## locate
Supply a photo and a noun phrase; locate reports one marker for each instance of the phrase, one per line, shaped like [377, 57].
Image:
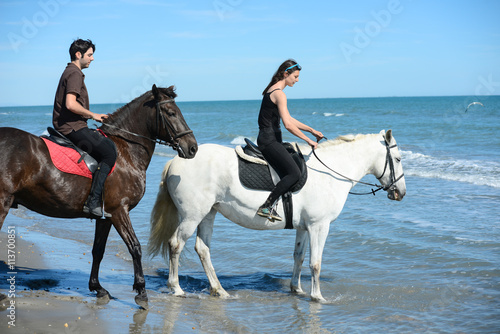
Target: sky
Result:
[229, 49]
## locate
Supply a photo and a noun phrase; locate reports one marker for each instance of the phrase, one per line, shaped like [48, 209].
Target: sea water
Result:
[430, 263]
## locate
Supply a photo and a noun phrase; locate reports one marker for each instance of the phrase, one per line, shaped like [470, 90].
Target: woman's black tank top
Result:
[269, 116]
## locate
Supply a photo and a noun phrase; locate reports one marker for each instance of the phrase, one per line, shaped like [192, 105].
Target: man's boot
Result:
[93, 204]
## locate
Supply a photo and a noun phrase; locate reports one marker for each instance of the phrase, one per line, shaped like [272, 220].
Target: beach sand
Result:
[52, 296]
[43, 298]
[34, 300]
[51, 288]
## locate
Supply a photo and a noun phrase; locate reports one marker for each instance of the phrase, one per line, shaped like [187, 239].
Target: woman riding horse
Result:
[272, 110]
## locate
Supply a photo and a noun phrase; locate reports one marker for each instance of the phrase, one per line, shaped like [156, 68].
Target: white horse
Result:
[193, 191]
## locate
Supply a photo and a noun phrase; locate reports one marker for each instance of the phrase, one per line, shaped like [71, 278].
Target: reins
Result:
[379, 187]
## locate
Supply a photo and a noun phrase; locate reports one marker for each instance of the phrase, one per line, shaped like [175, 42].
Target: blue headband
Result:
[298, 67]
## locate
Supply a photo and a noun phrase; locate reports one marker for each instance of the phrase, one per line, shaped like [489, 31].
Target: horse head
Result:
[392, 176]
[170, 124]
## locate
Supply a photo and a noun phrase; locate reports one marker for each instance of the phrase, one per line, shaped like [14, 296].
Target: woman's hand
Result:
[318, 135]
[312, 143]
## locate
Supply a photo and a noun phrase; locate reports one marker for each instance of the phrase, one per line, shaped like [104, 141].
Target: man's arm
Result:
[75, 107]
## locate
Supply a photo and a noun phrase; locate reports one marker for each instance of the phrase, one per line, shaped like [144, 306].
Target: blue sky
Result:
[229, 49]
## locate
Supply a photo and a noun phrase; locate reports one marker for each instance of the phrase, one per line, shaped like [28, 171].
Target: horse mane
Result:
[121, 115]
[342, 139]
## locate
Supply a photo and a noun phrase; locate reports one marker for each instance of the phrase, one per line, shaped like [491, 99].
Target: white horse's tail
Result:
[164, 219]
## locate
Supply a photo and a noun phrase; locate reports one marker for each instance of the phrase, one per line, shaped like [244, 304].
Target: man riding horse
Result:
[71, 112]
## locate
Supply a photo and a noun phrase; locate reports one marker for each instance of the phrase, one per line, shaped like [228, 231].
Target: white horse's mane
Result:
[339, 140]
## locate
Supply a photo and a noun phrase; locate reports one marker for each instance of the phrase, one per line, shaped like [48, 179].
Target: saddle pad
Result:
[258, 177]
[66, 159]
[254, 176]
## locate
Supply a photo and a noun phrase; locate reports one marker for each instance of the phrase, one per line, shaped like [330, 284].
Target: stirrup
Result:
[275, 216]
[269, 213]
[264, 212]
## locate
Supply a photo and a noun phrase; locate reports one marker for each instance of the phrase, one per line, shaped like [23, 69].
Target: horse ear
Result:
[388, 136]
[155, 91]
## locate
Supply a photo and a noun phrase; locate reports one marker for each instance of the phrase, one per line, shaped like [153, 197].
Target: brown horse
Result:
[29, 178]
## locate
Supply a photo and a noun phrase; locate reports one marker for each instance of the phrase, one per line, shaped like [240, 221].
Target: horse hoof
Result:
[298, 291]
[221, 293]
[142, 300]
[319, 299]
[103, 294]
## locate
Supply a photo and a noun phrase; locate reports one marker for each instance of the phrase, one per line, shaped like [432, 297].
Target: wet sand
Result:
[42, 298]
[35, 296]
[51, 294]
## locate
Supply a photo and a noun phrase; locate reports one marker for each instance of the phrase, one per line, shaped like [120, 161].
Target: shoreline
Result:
[36, 296]
[52, 295]
[47, 291]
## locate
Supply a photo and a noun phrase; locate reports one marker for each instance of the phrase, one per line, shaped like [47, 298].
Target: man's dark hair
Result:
[81, 46]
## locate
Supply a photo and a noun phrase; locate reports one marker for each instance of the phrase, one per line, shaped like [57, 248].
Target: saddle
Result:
[255, 173]
[68, 157]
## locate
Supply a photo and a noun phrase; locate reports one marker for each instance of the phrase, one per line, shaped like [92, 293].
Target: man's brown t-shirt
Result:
[72, 81]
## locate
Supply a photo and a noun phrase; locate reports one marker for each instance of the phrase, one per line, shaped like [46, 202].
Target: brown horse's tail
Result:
[164, 219]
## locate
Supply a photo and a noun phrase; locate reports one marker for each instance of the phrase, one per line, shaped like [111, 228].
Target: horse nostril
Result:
[193, 150]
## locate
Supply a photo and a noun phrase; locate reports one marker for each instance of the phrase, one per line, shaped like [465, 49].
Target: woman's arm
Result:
[307, 128]
[290, 123]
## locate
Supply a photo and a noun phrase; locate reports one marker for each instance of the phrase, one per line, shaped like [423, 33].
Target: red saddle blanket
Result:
[66, 159]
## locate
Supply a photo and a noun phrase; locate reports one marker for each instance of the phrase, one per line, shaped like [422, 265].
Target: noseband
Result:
[174, 136]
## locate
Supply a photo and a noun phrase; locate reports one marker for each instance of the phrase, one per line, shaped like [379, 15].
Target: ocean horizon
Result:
[473, 97]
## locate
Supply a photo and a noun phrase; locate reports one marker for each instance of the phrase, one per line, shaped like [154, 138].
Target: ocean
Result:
[427, 264]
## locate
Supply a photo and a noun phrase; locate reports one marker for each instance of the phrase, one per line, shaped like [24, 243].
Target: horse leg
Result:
[202, 247]
[123, 226]
[102, 228]
[299, 254]
[5, 204]
[175, 246]
[317, 238]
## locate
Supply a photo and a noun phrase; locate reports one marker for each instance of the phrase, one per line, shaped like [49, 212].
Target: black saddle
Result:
[58, 138]
[252, 150]
[258, 176]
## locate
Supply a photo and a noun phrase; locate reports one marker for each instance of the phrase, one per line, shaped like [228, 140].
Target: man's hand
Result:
[99, 117]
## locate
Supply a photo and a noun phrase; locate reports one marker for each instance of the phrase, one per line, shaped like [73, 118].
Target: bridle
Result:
[160, 118]
[388, 161]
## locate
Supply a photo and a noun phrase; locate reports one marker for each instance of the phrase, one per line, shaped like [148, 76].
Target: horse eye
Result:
[398, 159]
[169, 113]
